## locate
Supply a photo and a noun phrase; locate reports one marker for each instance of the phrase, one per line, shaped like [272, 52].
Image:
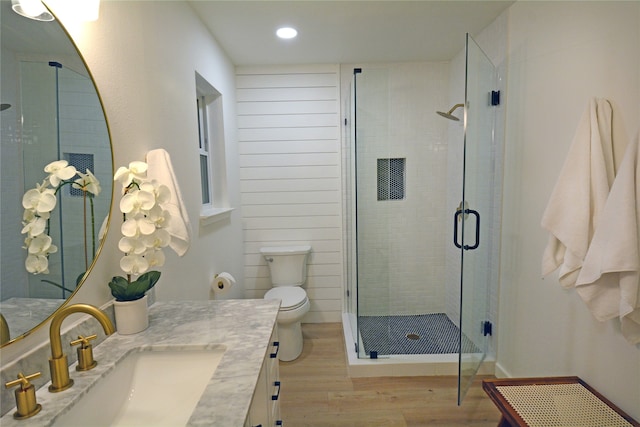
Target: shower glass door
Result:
[476, 214]
[374, 210]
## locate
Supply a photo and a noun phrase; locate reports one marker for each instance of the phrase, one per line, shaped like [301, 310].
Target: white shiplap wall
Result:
[289, 147]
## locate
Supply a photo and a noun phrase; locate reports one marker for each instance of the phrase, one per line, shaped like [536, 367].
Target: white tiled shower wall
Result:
[13, 279]
[401, 242]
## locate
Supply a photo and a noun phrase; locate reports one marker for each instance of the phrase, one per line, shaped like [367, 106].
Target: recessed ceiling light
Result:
[286, 32]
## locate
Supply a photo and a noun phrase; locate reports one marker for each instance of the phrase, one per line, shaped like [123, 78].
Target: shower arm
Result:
[454, 108]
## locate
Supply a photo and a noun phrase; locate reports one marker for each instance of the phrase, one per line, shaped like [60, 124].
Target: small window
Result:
[391, 179]
[211, 151]
[203, 141]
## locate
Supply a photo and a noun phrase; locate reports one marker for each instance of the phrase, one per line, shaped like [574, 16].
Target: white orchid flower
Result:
[144, 219]
[135, 171]
[157, 240]
[88, 183]
[58, 171]
[134, 227]
[155, 258]
[132, 245]
[136, 201]
[37, 264]
[40, 200]
[134, 264]
[42, 245]
[29, 215]
[35, 227]
[160, 191]
[159, 216]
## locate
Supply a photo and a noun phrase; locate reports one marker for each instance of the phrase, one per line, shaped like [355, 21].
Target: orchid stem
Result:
[84, 208]
[93, 227]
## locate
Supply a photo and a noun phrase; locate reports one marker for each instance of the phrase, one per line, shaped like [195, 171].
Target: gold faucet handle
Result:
[26, 404]
[85, 353]
[22, 380]
[84, 340]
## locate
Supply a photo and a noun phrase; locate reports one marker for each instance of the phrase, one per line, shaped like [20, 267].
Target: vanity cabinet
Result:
[265, 406]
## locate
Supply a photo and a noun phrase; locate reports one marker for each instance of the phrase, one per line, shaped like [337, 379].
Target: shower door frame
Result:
[478, 200]
[357, 299]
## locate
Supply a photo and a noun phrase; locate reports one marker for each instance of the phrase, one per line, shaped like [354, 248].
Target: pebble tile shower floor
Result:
[415, 334]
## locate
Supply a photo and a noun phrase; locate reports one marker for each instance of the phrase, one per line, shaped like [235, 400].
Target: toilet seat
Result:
[292, 297]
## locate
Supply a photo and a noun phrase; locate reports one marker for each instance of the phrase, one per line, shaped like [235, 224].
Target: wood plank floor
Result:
[317, 392]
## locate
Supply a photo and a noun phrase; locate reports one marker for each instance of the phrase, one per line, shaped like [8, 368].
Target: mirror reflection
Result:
[51, 117]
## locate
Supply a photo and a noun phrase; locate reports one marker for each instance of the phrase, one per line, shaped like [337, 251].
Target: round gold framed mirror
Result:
[51, 117]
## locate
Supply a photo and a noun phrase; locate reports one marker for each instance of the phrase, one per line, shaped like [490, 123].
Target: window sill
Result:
[211, 215]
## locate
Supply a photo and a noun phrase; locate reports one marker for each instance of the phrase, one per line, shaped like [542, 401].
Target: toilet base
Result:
[290, 337]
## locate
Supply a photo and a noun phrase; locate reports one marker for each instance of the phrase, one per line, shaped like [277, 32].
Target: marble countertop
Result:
[243, 326]
[24, 314]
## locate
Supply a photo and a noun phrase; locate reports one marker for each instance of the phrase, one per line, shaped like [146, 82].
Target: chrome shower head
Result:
[448, 114]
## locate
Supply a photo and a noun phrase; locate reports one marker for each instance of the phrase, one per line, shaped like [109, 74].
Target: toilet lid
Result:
[291, 296]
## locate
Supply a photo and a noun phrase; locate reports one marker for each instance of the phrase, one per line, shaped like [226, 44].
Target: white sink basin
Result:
[146, 388]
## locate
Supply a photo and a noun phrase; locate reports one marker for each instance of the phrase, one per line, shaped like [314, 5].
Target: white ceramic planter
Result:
[131, 316]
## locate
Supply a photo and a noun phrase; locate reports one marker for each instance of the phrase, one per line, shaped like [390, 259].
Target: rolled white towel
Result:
[161, 170]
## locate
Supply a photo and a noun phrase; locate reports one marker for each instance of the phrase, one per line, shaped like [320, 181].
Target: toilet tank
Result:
[287, 264]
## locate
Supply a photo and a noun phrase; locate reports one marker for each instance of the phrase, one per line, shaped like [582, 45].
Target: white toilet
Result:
[288, 269]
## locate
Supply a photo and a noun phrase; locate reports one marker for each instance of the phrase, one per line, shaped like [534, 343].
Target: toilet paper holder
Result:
[222, 282]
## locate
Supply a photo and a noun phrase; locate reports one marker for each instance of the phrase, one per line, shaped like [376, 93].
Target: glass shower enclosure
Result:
[400, 222]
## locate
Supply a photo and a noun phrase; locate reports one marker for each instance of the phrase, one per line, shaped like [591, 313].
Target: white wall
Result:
[144, 56]
[289, 143]
[560, 55]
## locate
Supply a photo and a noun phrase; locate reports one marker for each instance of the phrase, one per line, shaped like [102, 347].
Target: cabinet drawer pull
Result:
[276, 344]
[277, 395]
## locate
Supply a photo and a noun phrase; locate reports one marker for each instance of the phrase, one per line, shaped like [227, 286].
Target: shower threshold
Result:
[405, 365]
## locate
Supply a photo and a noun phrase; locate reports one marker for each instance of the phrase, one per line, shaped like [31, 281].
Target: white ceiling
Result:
[344, 31]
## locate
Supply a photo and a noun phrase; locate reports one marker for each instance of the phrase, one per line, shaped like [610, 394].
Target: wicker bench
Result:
[553, 402]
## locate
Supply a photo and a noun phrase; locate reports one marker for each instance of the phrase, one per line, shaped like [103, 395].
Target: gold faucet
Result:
[58, 362]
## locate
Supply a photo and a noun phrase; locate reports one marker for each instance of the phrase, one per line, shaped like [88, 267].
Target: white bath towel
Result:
[610, 275]
[580, 193]
[161, 169]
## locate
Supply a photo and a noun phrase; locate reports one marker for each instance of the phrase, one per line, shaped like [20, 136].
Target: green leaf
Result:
[79, 278]
[124, 290]
[118, 287]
